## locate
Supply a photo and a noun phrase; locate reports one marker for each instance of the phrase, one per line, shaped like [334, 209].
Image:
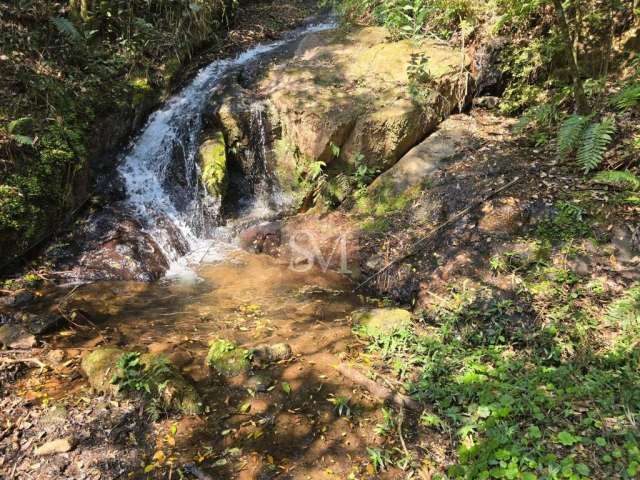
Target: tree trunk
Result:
[581, 105]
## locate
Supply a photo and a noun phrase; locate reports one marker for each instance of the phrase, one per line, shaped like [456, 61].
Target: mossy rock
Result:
[175, 391]
[381, 321]
[213, 164]
[165, 382]
[100, 366]
[227, 358]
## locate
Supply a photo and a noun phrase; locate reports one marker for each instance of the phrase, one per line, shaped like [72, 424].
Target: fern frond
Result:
[67, 29]
[570, 134]
[23, 140]
[627, 98]
[624, 179]
[594, 143]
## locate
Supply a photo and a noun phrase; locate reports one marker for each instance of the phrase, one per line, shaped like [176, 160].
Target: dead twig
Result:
[435, 230]
[400, 420]
[11, 361]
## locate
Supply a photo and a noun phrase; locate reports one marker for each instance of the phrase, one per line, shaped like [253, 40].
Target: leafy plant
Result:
[595, 141]
[626, 310]
[379, 458]
[67, 29]
[588, 140]
[620, 178]
[388, 423]
[136, 377]
[627, 98]
[341, 405]
[570, 134]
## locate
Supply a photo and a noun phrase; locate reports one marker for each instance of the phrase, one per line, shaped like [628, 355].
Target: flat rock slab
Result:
[453, 136]
[61, 445]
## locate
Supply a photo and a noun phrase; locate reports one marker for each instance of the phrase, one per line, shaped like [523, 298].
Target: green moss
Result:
[155, 377]
[143, 92]
[227, 358]
[213, 164]
[381, 321]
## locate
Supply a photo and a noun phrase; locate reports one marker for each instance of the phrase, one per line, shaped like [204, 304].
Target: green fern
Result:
[625, 311]
[23, 140]
[624, 179]
[570, 134]
[627, 98]
[594, 143]
[67, 29]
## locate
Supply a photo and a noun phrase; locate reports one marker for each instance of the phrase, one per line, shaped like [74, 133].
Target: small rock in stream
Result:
[16, 337]
[20, 299]
[264, 354]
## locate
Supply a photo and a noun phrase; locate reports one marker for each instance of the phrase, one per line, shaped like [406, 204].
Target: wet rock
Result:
[265, 354]
[264, 238]
[213, 164]
[43, 324]
[15, 336]
[259, 383]
[17, 300]
[227, 358]
[56, 357]
[61, 445]
[381, 321]
[111, 245]
[488, 102]
[163, 378]
[489, 77]
[176, 354]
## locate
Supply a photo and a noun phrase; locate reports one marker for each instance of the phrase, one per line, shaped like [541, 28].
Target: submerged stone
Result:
[381, 321]
[16, 337]
[227, 358]
[264, 354]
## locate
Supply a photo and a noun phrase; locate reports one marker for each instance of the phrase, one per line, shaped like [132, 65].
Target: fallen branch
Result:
[377, 390]
[435, 230]
[400, 421]
[23, 360]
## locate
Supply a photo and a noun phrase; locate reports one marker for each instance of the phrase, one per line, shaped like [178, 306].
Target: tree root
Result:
[377, 390]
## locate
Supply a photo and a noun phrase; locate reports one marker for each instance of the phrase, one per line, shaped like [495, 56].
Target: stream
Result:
[215, 290]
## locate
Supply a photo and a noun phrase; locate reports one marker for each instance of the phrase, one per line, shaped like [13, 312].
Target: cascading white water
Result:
[162, 160]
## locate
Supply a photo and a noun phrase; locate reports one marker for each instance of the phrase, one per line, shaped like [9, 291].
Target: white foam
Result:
[146, 166]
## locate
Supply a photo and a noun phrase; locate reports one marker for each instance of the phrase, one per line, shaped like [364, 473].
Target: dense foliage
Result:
[75, 78]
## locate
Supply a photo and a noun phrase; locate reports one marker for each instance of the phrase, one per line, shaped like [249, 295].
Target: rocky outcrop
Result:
[345, 98]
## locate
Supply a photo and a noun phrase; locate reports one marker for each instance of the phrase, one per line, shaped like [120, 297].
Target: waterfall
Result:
[160, 167]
